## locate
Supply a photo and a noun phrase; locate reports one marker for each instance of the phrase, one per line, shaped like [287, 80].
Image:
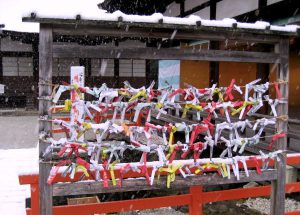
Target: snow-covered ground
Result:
[12, 194]
[18, 132]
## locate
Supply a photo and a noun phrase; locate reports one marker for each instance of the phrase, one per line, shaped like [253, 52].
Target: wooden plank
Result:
[1, 70]
[16, 54]
[87, 187]
[72, 51]
[163, 33]
[278, 193]
[45, 75]
[152, 72]
[35, 61]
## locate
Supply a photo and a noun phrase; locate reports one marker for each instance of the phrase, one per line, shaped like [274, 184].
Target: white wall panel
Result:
[204, 13]
[173, 9]
[231, 8]
[17, 66]
[125, 68]
[139, 68]
[135, 68]
[190, 4]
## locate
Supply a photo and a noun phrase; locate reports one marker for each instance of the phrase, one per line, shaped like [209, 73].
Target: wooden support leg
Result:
[45, 127]
[195, 207]
[278, 186]
[34, 190]
[45, 190]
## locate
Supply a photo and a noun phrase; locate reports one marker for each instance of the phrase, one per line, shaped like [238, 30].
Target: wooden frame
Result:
[117, 29]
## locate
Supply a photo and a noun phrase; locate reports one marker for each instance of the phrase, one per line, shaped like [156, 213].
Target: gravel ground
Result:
[158, 211]
[263, 205]
[251, 206]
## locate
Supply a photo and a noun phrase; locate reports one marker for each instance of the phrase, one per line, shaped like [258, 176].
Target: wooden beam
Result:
[152, 72]
[64, 189]
[214, 67]
[213, 9]
[278, 192]
[116, 68]
[89, 67]
[35, 60]
[16, 54]
[1, 69]
[68, 51]
[216, 34]
[45, 90]
[182, 8]
[214, 45]
[116, 73]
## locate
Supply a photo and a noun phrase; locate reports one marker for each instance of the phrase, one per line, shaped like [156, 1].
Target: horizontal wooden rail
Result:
[29, 178]
[61, 51]
[79, 188]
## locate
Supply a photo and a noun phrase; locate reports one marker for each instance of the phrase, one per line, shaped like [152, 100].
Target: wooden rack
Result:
[118, 29]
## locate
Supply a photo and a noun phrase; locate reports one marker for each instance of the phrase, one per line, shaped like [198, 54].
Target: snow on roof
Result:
[101, 15]
[11, 11]
[10, 15]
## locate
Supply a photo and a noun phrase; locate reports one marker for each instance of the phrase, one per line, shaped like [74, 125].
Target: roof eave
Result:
[120, 24]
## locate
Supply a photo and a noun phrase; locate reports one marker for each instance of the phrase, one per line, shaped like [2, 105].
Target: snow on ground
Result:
[18, 131]
[12, 194]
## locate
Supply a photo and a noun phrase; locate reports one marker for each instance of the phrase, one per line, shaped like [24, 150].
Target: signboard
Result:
[169, 73]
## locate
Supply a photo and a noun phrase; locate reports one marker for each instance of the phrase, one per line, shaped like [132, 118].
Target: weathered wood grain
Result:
[141, 184]
[278, 186]
[45, 74]
[72, 51]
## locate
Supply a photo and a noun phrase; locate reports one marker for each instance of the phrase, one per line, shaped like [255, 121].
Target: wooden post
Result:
[45, 90]
[116, 73]
[152, 72]
[116, 69]
[1, 69]
[35, 63]
[195, 207]
[278, 186]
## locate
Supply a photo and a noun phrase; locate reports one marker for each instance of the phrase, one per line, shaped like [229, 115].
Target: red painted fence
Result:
[195, 199]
